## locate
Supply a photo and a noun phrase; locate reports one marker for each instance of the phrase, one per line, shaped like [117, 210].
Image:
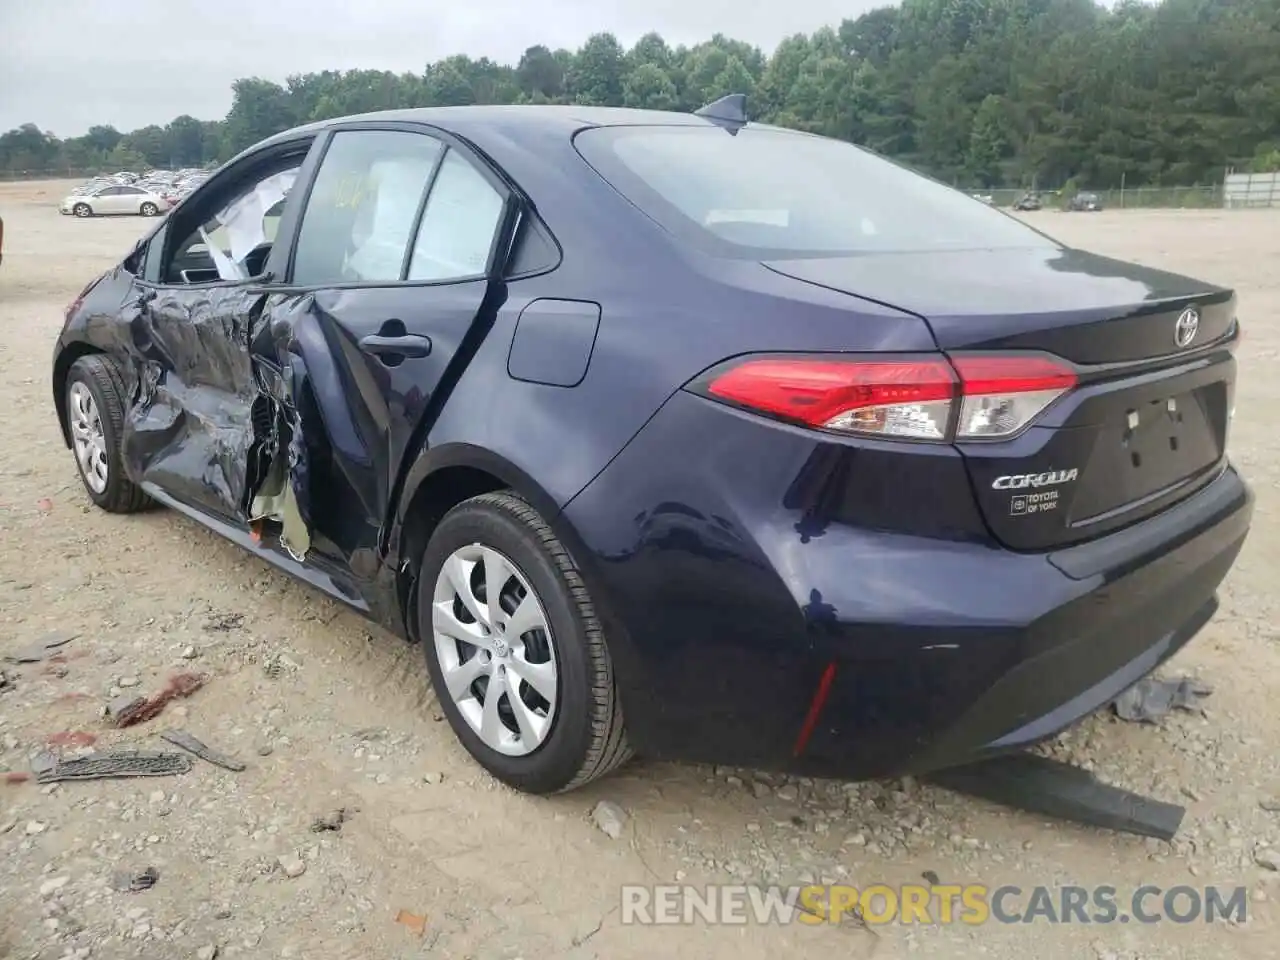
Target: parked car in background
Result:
[114, 199]
[675, 432]
[1090, 202]
[1028, 201]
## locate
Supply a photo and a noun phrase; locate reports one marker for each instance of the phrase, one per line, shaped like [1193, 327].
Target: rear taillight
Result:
[972, 397]
[1002, 394]
[900, 398]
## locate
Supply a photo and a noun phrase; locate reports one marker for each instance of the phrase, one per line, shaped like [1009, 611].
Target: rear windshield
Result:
[767, 193]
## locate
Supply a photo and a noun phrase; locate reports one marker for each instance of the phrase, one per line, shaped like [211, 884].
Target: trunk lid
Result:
[1145, 427]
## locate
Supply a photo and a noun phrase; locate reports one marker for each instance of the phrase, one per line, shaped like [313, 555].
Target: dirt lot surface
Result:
[328, 713]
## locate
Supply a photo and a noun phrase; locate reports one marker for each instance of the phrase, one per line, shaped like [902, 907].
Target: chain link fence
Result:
[1137, 198]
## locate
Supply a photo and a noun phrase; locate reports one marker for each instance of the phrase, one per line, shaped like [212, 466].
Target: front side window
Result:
[233, 242]
[360, 215]
[768, 193]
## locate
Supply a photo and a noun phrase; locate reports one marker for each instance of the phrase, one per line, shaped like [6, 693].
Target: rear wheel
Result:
[82, 210]
[515, 651]
[149, 209]
[95, 420]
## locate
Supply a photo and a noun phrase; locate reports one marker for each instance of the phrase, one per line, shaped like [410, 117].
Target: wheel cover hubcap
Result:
[495, 648]
[87, 438]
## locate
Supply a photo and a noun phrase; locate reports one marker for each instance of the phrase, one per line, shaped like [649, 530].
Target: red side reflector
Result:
[814, 392]
[815, 709]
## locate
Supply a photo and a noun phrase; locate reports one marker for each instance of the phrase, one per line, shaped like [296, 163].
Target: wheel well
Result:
[61, 368]
[439, 493]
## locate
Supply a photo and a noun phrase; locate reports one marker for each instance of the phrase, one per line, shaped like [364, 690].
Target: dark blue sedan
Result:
[675, 433]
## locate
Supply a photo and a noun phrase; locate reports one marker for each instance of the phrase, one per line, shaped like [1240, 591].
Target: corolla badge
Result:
[1184, 331]
[1050, 478]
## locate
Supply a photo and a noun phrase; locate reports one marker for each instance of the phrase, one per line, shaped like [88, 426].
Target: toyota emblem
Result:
[1184, 331]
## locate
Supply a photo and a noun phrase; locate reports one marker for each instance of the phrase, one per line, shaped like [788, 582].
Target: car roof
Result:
[511, 117]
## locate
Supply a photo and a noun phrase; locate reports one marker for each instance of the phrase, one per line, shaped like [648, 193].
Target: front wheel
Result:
[95, 420]
[515, 651]
[82, 210]
[149, 209]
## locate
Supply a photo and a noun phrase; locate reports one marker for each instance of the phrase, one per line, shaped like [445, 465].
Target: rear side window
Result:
[359, 218]
[767, 193]
[462, 217]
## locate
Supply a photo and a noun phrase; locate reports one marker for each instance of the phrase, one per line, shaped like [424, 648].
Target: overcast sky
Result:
[68, 64]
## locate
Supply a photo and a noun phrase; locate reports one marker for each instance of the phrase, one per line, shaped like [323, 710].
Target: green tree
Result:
[987, 144]
[1167, 92]
[540, 72]
[597, 72]
[648, 87]
[102, 138]
[185, 136]
[651, 49]
[125, 158]
[259, 109]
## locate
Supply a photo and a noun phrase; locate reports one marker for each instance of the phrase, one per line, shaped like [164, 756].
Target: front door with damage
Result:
[189, 431]
[389, 278]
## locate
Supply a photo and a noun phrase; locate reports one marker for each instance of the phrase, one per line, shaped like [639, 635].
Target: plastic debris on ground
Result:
[128, 881]
[127, 710]
[110, 765]
[183, 739]
[224, 622]
[1149, 700]
[333, 821]
[42, 649]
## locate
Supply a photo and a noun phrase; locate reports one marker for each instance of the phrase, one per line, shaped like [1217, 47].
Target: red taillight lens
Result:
[902, 398]
[914, 398]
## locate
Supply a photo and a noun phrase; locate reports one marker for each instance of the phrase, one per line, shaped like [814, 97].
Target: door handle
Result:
[408, 345]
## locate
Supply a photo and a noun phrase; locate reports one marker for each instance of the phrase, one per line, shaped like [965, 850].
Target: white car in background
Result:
[115, 198]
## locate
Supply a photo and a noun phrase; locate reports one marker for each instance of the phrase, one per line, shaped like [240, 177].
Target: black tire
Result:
[149, 209]
[106, 385]
[587, 738]
[82, 210]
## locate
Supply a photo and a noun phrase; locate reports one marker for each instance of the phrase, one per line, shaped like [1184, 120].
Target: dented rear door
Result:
[389, 289]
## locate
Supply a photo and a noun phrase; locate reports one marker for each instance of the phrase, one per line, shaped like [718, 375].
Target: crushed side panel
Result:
[189, 427]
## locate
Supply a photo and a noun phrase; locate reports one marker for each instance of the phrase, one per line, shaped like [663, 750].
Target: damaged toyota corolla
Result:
[675, 433]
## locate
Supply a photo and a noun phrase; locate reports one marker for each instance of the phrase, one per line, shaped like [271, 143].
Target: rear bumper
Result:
[728, 594]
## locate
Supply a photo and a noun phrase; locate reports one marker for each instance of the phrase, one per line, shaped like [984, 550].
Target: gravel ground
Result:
[328, 713]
